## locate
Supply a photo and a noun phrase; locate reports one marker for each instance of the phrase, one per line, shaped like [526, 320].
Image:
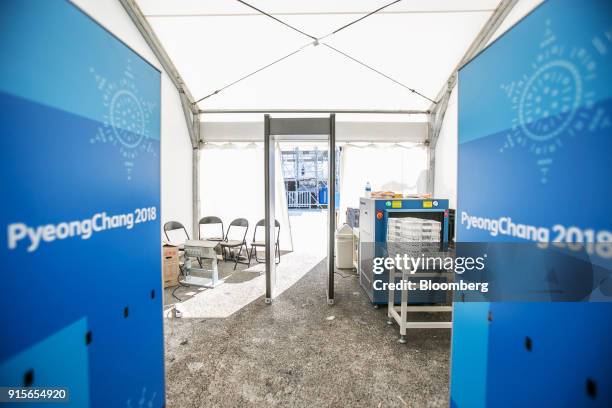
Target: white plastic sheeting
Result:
[445, 177]
[346, 131]
[232, 186]
[216, 42]
[387, 166]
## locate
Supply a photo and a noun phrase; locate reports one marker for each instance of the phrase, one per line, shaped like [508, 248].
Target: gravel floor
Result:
[300, 352]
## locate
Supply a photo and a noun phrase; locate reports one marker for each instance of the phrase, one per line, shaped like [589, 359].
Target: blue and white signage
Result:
[79, 215]
[535, 148]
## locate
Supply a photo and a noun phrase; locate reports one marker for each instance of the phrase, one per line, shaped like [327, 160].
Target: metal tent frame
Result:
[193, 113]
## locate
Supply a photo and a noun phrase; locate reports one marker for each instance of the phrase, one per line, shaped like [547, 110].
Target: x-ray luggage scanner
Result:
[374, 219]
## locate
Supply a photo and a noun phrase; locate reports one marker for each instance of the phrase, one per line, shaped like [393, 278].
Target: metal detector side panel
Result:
[331, 209]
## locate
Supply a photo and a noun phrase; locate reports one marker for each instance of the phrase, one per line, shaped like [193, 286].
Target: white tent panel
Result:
[385, 166]
[216, 42]
[340, 117]
[210, 52]
[420, 50]
[345, 131]
[238, 192]
[317, 77]
[284, 8]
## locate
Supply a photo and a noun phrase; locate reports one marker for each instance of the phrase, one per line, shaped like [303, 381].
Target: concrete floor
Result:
[300, 352]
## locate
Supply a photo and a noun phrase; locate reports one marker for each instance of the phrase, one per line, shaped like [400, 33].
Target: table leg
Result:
[215, 270]
[391, 299]
[404, 311]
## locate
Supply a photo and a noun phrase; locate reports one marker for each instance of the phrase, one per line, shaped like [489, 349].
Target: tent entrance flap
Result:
[304, 129]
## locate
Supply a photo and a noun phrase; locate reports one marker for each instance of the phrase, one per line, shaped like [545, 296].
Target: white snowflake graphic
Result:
[126, 122]
[556, 99]
[144, 401]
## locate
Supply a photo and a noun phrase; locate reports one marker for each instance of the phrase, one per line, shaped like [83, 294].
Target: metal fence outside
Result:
[300, 199]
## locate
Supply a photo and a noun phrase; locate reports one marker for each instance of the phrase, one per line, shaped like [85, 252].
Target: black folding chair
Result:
[262, 243]
[211, 220]
[174, 226]
[230, 244]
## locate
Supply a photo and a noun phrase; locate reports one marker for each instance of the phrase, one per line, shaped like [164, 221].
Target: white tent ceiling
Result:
[214, 42]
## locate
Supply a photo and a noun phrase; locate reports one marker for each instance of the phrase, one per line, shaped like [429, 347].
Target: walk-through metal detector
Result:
[298, 129]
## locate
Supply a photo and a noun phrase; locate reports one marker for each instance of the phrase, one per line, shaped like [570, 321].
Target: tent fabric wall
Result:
[445, 172]
[445, 181]
[232, 186]
[387, 166]
[346, 131]
[175, 143]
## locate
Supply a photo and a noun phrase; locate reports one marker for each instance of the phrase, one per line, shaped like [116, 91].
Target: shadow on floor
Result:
[300, 352]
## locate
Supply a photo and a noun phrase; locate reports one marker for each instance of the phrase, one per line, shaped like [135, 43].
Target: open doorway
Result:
[292, 129]
[305, 173]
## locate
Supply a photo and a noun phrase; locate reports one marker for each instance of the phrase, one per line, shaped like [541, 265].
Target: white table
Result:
[206, 250]
[399, 314]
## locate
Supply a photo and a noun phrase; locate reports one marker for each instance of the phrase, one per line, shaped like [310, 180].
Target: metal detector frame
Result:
[298, 129]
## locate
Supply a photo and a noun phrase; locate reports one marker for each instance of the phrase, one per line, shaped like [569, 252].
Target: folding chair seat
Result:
[261, 242]
[174, 226]
[216, 236]
[230, 244]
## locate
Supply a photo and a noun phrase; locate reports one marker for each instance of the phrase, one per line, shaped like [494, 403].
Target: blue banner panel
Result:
[80, 242]
[535, 141]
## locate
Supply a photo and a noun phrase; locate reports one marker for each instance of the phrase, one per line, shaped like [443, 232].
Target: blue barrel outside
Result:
[323, 195]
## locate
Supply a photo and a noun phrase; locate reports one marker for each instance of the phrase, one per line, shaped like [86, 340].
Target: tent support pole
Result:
[148, 34]
[437, 111]
[190, 109]
[269, 201]
[195, 177]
